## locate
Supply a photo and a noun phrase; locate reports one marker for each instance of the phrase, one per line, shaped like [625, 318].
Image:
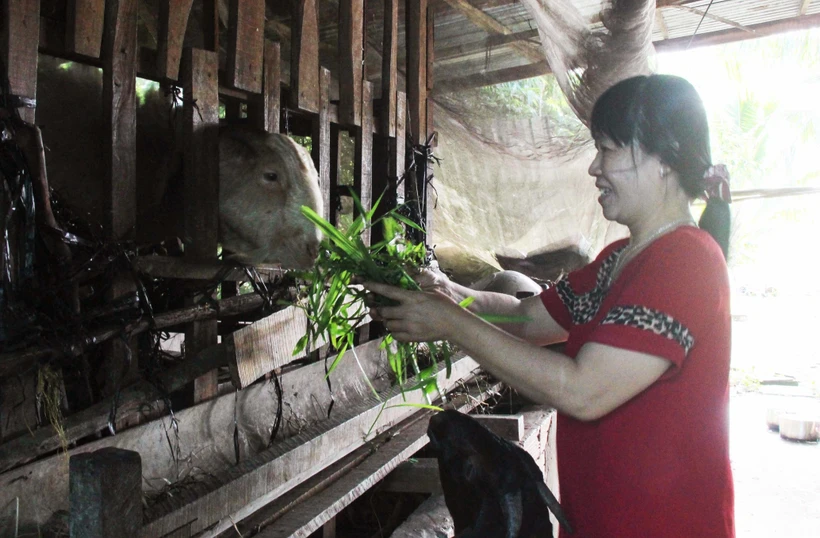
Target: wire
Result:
[699, 23]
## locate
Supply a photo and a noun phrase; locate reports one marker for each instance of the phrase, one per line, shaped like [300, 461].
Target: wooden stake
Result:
[321, 140]
[84, 26]
[351, 50]
[173, 21]
[106, 494]
[264, 109]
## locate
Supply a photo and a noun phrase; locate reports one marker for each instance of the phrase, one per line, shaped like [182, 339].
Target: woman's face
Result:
[629, 181]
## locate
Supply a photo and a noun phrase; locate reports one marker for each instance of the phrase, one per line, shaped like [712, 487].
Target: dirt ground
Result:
[777, 482]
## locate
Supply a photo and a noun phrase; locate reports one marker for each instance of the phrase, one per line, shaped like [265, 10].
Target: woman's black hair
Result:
[665, 115]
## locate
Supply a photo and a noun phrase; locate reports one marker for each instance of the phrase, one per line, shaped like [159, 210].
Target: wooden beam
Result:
[397, 148]
[493, 77]
[660, 22]
[246, 42]
[390, 51]
[239, 491]
[804, 6]
[264, 110]
[173, 21]
[105, 494]
[304, 57]
[351, 54]
[15, 362]
[193, 269]
[84, 26]
[321, 140]
[210, 24]
[19, 37]
[492, 27]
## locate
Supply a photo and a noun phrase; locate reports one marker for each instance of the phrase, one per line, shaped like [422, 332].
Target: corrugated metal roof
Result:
[465, 47]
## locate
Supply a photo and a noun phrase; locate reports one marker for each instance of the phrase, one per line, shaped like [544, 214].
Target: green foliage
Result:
[335, 306]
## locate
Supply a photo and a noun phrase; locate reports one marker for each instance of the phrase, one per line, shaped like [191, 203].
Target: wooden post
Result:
[321, 139]
[19, 39]
[264, 109]
[390, 52]
[363, 160]
[105, 494]
[173, 21]
[304, 57]
[84, 26]
[397, 149]
[351, 54]
[431, 26]
[119, 101]
[416, 25]
[201, 186]
[246, 44]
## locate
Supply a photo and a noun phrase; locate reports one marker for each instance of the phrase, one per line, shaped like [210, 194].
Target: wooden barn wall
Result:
[104, 33]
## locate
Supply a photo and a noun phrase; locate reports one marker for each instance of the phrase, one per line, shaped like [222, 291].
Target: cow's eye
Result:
[271, 176]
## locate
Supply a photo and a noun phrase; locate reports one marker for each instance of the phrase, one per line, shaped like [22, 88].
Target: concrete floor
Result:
[777, 482]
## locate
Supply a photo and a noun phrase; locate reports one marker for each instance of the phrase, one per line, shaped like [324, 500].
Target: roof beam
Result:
[804, 6]
[493, 77]
[493, 27]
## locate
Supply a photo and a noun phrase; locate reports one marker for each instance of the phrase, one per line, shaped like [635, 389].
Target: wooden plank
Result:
[119, 102]
[351, 54]
[263, 346]
[84, 26]
[509, 427]
[321, 140]
[431, 519]
[311, 496]
[241, 490]
[246, 44]
[390, 52]
[106, 494]
[173, 21]
[804, 6]
[304, 57]
[19, 38]
[303, 520]
[416, 32]
[333, 207]
[363, 155]
[263, 109]
[196, 269]
[203, 438]
[419, 475]
[201, 186]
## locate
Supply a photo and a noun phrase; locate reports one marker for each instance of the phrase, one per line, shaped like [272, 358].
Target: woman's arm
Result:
[539, 328]
[600, 379]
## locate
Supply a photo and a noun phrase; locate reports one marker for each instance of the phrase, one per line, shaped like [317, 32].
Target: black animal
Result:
[492, 487]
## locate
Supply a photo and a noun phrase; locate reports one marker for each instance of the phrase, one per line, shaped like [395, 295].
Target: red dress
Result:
[657, 466]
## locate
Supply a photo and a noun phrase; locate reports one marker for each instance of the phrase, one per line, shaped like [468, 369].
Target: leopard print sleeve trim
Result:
[583, 307]
[651, 320]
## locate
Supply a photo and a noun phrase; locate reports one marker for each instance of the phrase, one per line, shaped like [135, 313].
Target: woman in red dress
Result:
[641, 387]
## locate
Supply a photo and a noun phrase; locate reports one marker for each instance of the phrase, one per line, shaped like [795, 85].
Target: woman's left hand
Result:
[420, 316]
